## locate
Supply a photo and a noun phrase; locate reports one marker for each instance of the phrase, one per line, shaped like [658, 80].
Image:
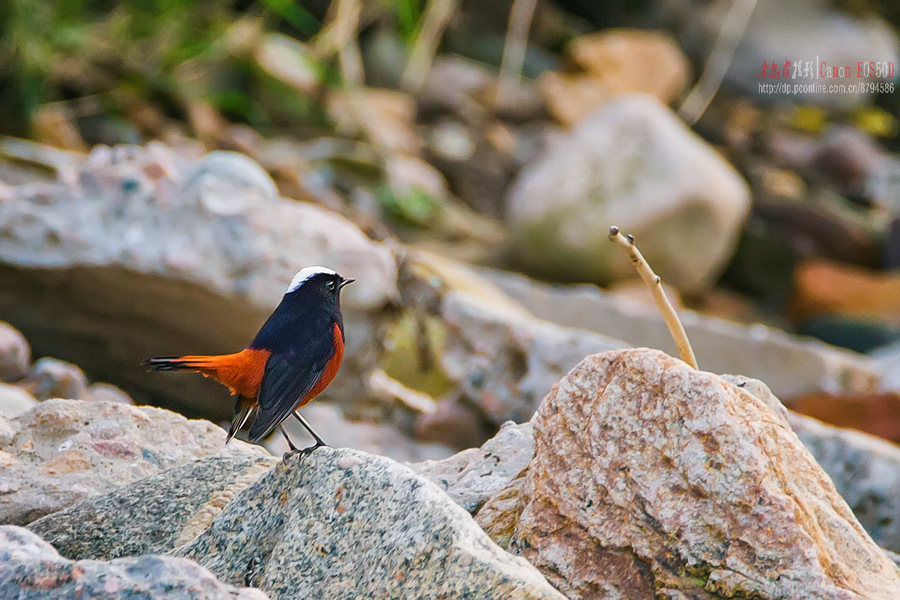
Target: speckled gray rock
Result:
[474, 475]
[145, 251]
[505, 362]
[30, 569]
[789, 364]
[153, 515]
[342, 523]
[64, 451]
[865, 470]
[651, 479]
[15, 354]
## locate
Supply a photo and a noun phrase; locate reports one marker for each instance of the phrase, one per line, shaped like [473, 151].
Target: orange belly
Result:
[331, 368]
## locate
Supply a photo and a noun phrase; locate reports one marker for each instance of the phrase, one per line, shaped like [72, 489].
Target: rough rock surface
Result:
[341, 523]
[64, 451]
[473, 476]
[191, 254]
[651, 479]
[153, 515]
[865, 470]
[30, 569]
[789, 365]
[634, 164]
[505, 362]
[15, 354]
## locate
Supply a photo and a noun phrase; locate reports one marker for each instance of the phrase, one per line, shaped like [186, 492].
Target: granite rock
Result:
[340, 523]
[790, 365]
[865, 471]
[651, 479]
[504, 362]
[474, 475]
[634, 164]
[64, 451]
[15, 354]
[153, 515]
[144, 251]
[30, 569]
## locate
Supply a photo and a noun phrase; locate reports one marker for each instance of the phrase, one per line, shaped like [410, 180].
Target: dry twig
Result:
[659, 295]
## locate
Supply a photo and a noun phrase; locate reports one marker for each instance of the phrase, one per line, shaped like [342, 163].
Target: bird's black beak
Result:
[345, 282]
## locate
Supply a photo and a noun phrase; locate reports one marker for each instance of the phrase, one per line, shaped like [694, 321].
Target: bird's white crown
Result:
[305, 274]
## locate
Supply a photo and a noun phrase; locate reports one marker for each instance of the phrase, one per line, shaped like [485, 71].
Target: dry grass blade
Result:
[516, 44]
[659, 295]
[719, 59]
[436, 18]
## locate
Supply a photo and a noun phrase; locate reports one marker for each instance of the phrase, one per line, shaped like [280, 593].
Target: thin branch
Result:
[435, 20]
[719, 60]
[659, 295]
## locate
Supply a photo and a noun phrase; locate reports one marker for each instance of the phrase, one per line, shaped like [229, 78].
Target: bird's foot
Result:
[303, 453]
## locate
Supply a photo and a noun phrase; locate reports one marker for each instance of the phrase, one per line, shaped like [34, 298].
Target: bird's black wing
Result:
[284, 385]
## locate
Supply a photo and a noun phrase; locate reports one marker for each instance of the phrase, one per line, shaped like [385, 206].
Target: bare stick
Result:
[720, 58]
[659, 295]
[434, 21]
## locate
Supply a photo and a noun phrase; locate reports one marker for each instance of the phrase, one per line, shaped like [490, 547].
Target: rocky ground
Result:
[508, 421]
[637, 476]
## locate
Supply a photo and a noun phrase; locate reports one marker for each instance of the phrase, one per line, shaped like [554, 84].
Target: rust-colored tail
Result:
[183, 363]
[241, 372]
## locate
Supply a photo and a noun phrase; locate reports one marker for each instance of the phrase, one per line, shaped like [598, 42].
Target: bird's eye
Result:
[331, 285]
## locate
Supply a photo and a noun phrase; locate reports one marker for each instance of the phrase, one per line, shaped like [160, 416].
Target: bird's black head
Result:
[319, 283]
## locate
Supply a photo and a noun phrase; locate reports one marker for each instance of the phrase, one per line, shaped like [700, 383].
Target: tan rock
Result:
[651, 479]
[14, 400]
[632, 163]
[15, 354]
[65, 451]
[54, 378]
[616, 62]
[634, 61]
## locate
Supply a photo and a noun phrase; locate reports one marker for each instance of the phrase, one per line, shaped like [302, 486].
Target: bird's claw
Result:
[303, 453]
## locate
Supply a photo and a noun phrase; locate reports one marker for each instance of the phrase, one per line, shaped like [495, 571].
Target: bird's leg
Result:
[319, 441]
[290, 444]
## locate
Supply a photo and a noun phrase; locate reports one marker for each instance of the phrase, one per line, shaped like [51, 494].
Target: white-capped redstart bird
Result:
[292, 359]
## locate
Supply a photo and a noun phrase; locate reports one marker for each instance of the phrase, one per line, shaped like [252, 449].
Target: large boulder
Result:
[64, 451]
[341, 523]
[152, 515]
[505, 362]
[331, 524]
[865, 470]
[790, 365]
[634, 164]
[650, 478]
[30, 569]
[145, 251]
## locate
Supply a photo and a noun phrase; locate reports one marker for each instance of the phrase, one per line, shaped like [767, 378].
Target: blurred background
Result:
[165, 166]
